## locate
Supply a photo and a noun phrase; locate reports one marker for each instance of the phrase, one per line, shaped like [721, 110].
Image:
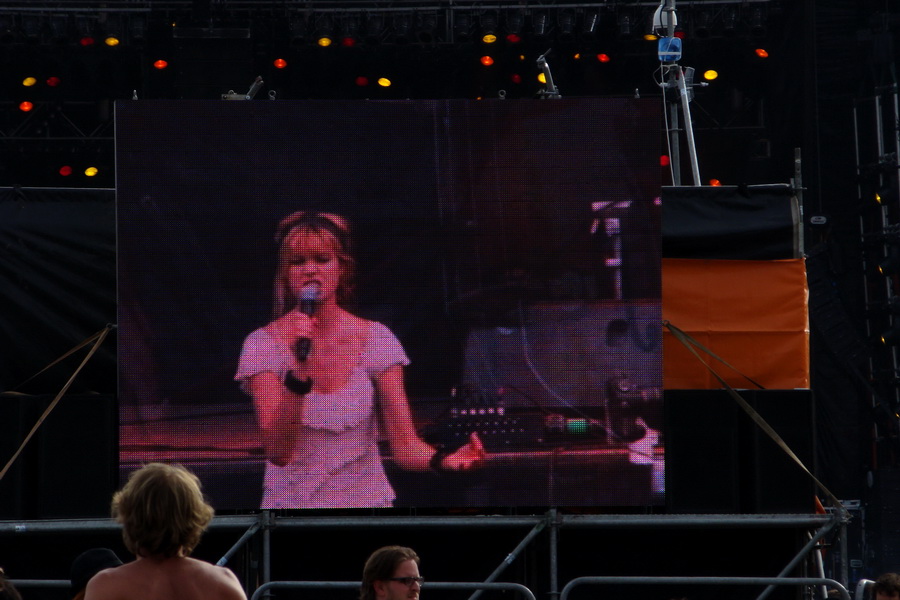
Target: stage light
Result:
[589, 24]
[362, 81]
[884, 194]
[137, 28]
[7, 29]
[540, 24]
[710, 74]
[603, 57]
[664, 160]
[488, 24]
[91, 171]
[624, 23]
[757, 23]
[57, 30]
[53, 81]
[374, 28]
[65, 170]
[31, 28]
[701, 25]
[113, 29]
[715, 182]
[349, 31]
[384, 82]
[425, 26]
[891, 336]
[542, 78]
[514, 20]
[297, 30]
[565, 20]
[160, 64]
[486, 60]
[729, 22]
[26, 106]
[761, 52]
[85, 32]
[323, 35]
[402, 28]
[29, 81]
[515, 78]
[280, 63]
[462, 26]
[650, 37]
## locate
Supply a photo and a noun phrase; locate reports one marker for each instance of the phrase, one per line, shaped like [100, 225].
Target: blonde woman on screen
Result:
[324, 382]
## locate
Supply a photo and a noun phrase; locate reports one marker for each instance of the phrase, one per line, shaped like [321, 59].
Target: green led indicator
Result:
[577, 425]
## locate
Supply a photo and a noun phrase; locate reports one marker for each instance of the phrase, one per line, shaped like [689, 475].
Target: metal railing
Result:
[740, 581]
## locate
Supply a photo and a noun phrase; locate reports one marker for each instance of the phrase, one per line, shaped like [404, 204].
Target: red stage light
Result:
[87, 41]
[664, 160]
[160, 64]
[53, 81]
[26, 106]
[348, 42]
[715, 182]
[515, 78]
[362, 81]
[65, 170]
[486, 60]
[279, 63]
[762, 53]
[604, 58]
[513, 38]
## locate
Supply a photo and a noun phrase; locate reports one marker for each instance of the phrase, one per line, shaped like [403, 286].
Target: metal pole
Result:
[798, 558]
[511, 556]
[554, 556]
[247, 535]
[688, 125]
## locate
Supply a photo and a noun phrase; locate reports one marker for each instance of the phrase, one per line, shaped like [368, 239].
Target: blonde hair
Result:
[299, 230]
[162, 511]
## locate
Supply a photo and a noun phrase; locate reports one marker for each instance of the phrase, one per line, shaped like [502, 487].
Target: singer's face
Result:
[314, 260]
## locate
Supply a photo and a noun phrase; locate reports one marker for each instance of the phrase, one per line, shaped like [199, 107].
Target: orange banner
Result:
[752, 314]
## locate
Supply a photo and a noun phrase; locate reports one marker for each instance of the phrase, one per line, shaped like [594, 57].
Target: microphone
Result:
[308, 303]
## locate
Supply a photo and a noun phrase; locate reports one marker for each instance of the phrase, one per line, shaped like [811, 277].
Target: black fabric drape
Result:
[58, 282]
[729, 222]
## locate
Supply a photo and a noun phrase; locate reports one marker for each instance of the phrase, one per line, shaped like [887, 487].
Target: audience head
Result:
[887, 586]
[381, 566]
[162, 511]
[88, 564]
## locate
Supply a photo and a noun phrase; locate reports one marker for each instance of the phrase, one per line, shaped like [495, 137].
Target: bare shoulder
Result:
[148, 579]
[108, 584]
[222, 580]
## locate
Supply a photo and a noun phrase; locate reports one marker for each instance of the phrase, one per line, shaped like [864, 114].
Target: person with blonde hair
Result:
[163, 515]
[326, 384]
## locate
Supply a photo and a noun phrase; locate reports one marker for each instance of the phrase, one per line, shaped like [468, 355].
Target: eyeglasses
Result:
[407, 581]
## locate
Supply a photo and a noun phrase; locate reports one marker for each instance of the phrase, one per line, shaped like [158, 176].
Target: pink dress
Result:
[337, 463]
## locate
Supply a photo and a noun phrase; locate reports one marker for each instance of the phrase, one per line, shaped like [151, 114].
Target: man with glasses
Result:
[391, 573]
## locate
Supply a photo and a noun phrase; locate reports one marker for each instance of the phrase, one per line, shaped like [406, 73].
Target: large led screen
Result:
[352, 304]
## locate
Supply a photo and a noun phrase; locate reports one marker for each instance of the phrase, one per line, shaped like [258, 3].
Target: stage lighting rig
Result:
[549, 90]
[677, 80]
[254, 89]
